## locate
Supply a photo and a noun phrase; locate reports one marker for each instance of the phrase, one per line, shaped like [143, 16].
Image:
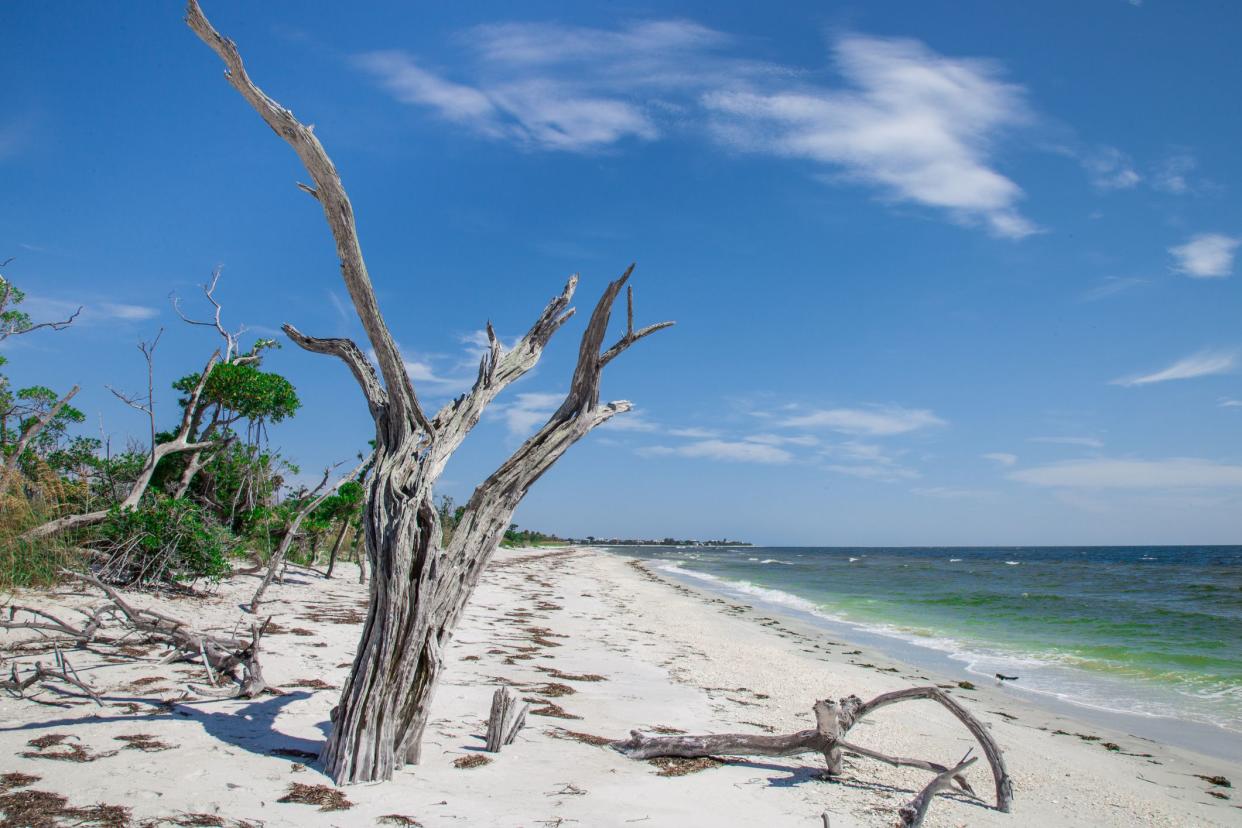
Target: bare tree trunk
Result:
[32, 431]
[419, 586]
[336, 546]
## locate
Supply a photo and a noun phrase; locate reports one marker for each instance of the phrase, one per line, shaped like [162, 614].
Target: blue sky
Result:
[943, 273]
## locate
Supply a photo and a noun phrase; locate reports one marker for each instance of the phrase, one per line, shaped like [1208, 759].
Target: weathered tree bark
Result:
[32, 431]
[317, 496]
[833, 722]
[507, 716]
[181, 442]
[419, 589]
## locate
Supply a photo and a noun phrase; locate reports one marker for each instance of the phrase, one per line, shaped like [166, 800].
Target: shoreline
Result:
[600, 647]
[1212, 741]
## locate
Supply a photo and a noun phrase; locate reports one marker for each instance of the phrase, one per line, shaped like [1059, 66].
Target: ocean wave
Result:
[774, 560]
[1013, 563]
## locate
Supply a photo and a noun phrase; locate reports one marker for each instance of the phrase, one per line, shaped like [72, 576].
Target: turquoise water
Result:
[1147, 631]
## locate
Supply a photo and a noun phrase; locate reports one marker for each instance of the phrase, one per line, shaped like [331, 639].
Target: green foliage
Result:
[12, 321]
[25, 564]
[527, 537]
[164, 539]
[245, 391]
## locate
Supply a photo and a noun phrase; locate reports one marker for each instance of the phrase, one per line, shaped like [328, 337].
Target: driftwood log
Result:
[419, 584]
[833, 720]
[507, 717]
[223, 657]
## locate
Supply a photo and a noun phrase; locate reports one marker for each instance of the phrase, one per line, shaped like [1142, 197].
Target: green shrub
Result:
[164, 539]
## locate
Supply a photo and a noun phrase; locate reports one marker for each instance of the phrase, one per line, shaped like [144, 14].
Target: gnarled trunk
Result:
[418, 588]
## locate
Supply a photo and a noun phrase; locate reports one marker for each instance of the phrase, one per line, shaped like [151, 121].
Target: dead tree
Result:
[833, 721]
[179, 443]
[420, 588]
[506, 718]
[318, 495]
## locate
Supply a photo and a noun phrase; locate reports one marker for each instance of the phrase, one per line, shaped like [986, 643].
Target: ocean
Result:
[1146, 632]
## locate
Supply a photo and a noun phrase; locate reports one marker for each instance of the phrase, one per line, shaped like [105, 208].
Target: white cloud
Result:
[1111, 286]
[114, 310]
[1110, 169]
[527, 411]
[1170, 176]
[1206, 255]
[1226, 403]
[1001, 457]
[953, 493]
[875, 421]
[1180, 472]
[919, 126]
[1202, 364]
[883, 473]
[631, 421]
[778, 440]
[694, 433]
[742, 452]
[915, 123]
[1087, 442]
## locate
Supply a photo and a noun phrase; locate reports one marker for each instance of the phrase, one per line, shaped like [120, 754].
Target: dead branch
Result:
[833, 722]
[232, 353]
[181, 442]
[63, 673]
[16, 328]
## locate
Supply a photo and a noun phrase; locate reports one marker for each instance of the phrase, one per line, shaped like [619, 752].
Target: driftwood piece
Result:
[221, 656]
[833, 722]
[63, 672]
[507, 717]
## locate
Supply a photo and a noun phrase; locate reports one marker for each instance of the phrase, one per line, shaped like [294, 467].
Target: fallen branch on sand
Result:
[63, 672]
[833, 722]
[227, 657]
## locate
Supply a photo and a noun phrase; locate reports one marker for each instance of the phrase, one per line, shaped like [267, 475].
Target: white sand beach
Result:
[606, 646]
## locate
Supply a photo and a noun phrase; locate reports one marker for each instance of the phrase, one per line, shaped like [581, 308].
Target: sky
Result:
[943, 273]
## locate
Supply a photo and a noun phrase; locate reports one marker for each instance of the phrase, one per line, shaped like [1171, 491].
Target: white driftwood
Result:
[418, 587]
[833, 722]
[507, 717]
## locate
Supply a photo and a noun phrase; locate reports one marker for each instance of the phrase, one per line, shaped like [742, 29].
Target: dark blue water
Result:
[1150, 631]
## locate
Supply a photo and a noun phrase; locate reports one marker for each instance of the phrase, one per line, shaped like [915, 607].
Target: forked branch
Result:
[833, 722]
[404, 410]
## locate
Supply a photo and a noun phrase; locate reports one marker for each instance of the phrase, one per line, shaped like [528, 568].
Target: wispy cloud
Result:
[43, 308]
[1201, 364]
[1227, 403]
[953, 493]
[1180, 472]
[1171, 174]
[1206, 255]
[780, 440]
[866, 460]
[1111, 286]
[694, 433]
[886, 474]
[739, 451]
[1108, 168]
[918, 125]
[875, 421]
[527, 411]
[1085, 442]
[1003, 458]
[915, 123]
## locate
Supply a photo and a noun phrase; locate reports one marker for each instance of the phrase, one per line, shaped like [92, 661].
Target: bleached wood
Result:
[506, 718]
[833, 722]
[419, 589]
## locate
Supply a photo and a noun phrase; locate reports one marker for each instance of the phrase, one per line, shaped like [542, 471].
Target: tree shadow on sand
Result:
[251, 727]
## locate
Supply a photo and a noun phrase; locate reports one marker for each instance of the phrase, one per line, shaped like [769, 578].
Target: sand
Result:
[604, 641]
